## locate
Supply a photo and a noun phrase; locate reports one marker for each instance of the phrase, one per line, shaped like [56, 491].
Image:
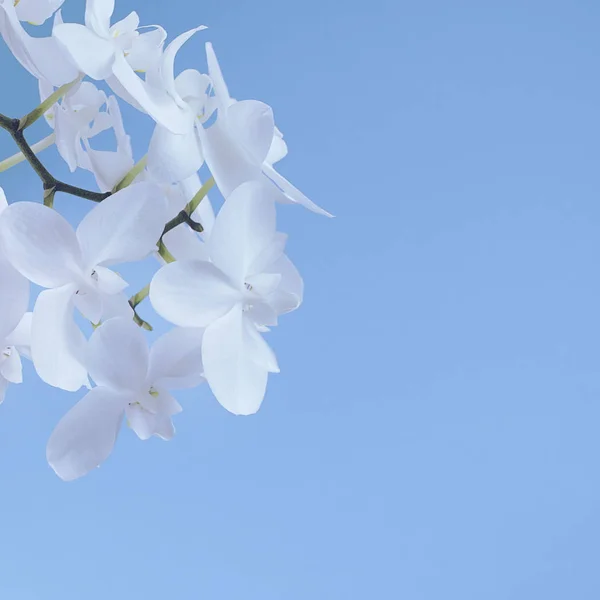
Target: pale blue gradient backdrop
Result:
[435, 429]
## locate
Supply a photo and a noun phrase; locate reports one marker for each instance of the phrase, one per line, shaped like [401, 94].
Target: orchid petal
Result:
[98, 14]
[57, 344]
[36, 11]
[228, 163]
[146, 50]
[173, 157]
[140, 420]
[109, 282]
[117, 355]
[237, 380]
[124, 227]
[292, 193]
[20, 336]
[192, 293]
[176, 359]
[10, 366]
[290, 292]
[40, 244]
[86, 435]
[214, 70]
[158, 105]
[244, 227]
[89, 304]
[269, 255]
[43, 57]
[185, 244]
[92, 54]
[252, 124]
[116, 305]
[278, 149]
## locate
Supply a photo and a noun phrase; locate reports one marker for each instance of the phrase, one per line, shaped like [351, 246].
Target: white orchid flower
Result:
[43, 57]
[240, 292]
[131, 382]
[43, 247]
[36, 12]
[77, 119]
[243, 143]
[14, 321]
[115, 53]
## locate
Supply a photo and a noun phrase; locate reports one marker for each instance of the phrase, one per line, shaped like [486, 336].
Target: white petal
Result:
[262, 314]
[252, 124]
[140, 420]
[116, 305]
[290, 292]
[3, 201]
[237, 380]
[43, 57]
[14, 297]
[108, 166]
[173, 157]
[3, 388]
[226, 159]
[245, 226]
[125, 227]
[192, 293]
[272, 253]
[157, 104]
[167, 66]
[176, 359]
[86, 435]
[278, 149]
[292, 193]
[92, 54]
[98, 14]
[37, 11]
[109, 282]
[259, 351]
[192, 87]
[89, 304]
[20, 336]
[146, 50]
[117, 355]
[163, 427]
[57, 345]
[185, 244]
[214, 70]
[40, 244]
[10, 366]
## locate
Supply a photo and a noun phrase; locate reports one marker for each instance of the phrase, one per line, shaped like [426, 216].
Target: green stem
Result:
[193, 204]
[139, 297]
[164, 252]
[19, 157]
[130, 177]
[184, 216]
[134, 301]
[47, 104]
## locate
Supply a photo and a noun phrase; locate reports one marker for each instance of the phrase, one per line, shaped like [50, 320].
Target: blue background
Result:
[434, 431]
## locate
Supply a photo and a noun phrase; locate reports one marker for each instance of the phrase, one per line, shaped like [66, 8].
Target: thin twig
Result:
[48, 180]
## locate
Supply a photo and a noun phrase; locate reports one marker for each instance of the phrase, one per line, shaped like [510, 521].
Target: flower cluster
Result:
[222, 280]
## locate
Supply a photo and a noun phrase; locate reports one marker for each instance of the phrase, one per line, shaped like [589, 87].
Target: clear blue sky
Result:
[435, 429]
